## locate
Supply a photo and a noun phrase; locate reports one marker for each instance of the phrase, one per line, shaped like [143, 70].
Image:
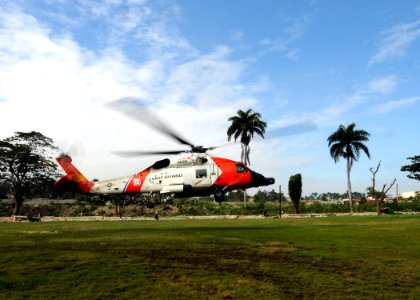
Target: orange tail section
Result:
[73, 181]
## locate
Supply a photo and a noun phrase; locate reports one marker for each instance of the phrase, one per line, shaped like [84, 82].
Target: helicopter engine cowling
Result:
[175, 188]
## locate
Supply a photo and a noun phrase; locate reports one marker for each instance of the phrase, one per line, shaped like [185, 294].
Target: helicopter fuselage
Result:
[192, 175]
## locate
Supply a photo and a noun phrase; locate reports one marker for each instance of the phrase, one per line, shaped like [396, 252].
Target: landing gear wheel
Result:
[219, 196]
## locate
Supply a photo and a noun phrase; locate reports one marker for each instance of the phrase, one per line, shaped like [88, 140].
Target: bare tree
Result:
[379, 196]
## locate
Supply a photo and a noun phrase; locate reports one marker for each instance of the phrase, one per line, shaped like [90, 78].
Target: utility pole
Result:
[280, 200]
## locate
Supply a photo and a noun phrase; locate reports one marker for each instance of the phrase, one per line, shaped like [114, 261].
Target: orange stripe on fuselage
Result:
[136, 182]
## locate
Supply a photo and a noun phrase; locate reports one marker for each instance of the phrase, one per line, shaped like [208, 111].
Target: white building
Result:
[407, 195]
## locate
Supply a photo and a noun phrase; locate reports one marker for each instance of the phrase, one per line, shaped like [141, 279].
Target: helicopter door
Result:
[214, 172]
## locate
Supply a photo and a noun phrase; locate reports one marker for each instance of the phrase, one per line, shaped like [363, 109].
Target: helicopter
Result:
[194, 174]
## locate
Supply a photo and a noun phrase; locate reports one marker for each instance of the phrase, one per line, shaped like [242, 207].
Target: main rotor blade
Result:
[133, 108]
[76, 148]
[72, 147]
[298, 128]
[141, 153]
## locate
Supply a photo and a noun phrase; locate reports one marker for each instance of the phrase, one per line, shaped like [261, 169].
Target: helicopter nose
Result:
[258, 179]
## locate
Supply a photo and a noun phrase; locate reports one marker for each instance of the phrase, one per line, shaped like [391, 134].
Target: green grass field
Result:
[335, 257]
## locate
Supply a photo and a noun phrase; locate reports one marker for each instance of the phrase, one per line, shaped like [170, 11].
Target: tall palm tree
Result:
[245, 124]
[347, 143]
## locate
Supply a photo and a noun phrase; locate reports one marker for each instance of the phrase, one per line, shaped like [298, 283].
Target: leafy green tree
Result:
[4, 189]
[295, 191]
[244, 125]
[347, 142]
[314, 196]
[273, 196]
[26, 164]
[261, 196]
[235, 196]
[358, 195]
[414, 168]
[372, 193]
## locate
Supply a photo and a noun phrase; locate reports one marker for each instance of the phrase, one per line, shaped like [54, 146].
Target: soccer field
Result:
[335, 257]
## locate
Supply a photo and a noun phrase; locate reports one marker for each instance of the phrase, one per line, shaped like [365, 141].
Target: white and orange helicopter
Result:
[194, 174]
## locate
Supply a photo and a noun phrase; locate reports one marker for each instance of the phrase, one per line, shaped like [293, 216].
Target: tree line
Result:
[346, 142]
[27, 168]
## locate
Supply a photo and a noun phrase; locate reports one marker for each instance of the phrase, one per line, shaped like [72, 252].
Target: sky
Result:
[195, 63]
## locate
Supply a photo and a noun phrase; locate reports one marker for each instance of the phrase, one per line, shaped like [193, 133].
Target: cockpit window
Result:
[240, 168]
[200, 173]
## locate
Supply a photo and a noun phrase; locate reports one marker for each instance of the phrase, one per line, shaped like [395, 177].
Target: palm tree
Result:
[245, 124]
[347, 143]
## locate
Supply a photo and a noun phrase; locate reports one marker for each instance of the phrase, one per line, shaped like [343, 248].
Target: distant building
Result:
[407, 195]
[331, 201]
[370, 200]
[355, 201]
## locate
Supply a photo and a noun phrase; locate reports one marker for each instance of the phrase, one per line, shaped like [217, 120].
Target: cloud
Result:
[298, 26]
[140, 27]
[293, 31]
[273, 45]
[52, 84]
[153, 23]
[395, 104]
[396, 41]
[384, 85]
[358, 97]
